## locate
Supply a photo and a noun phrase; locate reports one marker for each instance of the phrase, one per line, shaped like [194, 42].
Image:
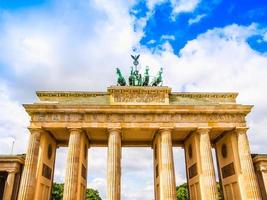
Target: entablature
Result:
[136, 95]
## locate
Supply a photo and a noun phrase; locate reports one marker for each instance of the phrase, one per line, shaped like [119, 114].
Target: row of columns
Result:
[200, 169]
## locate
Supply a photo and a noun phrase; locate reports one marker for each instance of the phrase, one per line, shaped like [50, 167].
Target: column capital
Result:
[72, 129]
[241, 130]
[203, 130]
[36, 130]
[163, 129]
[12, 171]
[114, 130]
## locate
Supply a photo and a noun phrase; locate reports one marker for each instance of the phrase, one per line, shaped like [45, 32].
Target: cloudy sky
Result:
[209, 46]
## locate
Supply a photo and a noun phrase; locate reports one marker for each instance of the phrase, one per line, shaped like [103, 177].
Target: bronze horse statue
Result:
[146, 77]
[120, 81]
[158, 79]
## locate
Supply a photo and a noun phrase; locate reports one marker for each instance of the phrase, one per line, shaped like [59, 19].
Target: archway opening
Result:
[137, 174]
[60, 165]
[180, 168]
[97, 170]
[217, 175]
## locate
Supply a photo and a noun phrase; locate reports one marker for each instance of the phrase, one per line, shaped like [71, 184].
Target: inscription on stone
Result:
[46, 172]
[228, 170]
[192, 171]
[55, 117]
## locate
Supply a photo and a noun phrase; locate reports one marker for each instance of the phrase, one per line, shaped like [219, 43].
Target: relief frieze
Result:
[139, 96]
[131, 117]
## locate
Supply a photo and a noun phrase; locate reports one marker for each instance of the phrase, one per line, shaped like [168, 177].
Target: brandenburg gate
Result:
[137, 116]
[142, 114]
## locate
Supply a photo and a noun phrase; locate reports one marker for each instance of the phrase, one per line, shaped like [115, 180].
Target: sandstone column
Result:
[28, 180]
[73, 161]
[250, 182]
[9, 185]
[167, 175]
[208, 179]
[114, 165]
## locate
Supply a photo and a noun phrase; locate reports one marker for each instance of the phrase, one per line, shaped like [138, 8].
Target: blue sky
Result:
[181, 27]
[207, 15]
[203, 46]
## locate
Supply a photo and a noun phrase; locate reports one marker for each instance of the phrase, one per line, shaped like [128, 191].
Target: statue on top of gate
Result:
[136, 79]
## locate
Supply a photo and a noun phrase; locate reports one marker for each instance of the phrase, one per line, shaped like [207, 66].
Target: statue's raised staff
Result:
[158, 79]
[120, 81]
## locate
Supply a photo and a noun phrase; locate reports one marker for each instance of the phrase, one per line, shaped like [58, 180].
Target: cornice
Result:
[59, 108]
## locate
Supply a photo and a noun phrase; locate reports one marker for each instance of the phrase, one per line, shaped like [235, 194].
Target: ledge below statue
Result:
[139, 95]
[135, 95]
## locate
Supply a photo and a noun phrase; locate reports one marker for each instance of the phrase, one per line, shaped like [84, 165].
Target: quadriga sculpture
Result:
[136, 79]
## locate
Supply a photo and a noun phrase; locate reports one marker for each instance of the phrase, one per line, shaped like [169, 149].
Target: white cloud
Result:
[60, 165]
[183, 6]
[137, 167]
[151, 42]
[197, 19]
[13, 124]
[168, 37]
[40, 45]
[100, 185]
[177, 6]
[151, 4]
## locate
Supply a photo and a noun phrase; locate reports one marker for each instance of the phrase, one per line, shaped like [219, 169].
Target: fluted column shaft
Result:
[252, 188]
[167, 178]
[114, 165]
[208, 179]
[28, 180]
[9, 185]
[71, 176]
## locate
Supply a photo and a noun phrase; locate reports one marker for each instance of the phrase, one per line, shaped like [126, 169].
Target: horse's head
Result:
[118, 71]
